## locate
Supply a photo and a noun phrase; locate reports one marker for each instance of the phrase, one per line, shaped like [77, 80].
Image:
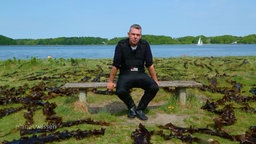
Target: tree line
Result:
[152, 39]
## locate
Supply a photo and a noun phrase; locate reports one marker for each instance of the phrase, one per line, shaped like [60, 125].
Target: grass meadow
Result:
[41, 78]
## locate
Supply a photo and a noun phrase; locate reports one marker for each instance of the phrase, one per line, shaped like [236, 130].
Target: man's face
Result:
[134, 36]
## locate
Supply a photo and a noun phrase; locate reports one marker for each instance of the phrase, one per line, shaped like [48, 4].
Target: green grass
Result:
[56, 72]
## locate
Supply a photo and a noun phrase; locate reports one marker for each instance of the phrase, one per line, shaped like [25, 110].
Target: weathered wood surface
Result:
[82, 85]
[179, 84]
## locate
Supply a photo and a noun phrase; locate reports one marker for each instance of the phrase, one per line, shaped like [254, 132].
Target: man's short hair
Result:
[136, 26]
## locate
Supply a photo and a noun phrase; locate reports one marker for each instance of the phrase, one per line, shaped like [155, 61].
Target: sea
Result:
[107, 51]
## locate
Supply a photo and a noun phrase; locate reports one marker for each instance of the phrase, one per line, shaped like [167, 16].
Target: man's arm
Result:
[152, 73]
[111, 84]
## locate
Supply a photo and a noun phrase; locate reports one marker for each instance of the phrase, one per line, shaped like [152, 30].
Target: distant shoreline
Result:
[156, 58]
[152, 39]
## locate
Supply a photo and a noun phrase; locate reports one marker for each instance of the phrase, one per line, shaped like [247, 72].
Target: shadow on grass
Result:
[116, 108]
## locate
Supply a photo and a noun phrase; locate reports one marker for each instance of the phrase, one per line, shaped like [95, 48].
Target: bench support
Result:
[182, 95]
[82, 96]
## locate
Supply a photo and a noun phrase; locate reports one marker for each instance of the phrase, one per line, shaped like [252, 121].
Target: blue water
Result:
[107, 51]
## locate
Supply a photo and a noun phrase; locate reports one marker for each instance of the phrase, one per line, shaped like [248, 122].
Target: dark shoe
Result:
[141, 115]
[132, 112]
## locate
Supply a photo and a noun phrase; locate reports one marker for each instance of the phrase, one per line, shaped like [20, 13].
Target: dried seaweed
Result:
[184, 134]
[57, 136]
[141, 135]
[103, 92]
[181, 133]
[8, 111]
[34, 98]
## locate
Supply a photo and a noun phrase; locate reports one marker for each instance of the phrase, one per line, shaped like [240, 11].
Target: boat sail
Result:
[200, 42]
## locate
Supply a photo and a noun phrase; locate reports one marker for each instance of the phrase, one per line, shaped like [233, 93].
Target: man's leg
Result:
[151, 89]
[148, 96]
[125, 96]
[123, 92]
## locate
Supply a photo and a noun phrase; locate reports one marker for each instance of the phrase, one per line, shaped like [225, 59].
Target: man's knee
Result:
[122, 91]
[154, 88]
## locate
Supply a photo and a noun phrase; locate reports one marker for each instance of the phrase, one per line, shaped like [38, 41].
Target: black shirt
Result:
[126, 57]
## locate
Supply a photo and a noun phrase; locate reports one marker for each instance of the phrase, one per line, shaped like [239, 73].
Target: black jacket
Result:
[125, 58]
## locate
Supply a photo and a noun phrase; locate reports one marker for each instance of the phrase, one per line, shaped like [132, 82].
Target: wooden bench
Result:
[179, 85]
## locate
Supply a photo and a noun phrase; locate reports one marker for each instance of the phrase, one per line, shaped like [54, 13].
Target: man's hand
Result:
[152, 73]
[111, 85]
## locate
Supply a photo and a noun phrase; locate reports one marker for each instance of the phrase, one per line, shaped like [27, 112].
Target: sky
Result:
[20, 19]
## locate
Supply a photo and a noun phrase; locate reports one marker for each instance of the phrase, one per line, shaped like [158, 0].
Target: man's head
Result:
[134, 34]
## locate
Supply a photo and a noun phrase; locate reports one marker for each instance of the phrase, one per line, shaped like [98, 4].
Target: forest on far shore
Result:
[152, 39]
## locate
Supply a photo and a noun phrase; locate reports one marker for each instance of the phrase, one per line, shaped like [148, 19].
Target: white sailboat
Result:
[200, 42]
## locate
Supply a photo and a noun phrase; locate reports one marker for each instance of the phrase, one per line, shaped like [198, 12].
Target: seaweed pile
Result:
[32, 99]
[141, 135]
[185, 134]
[57, 136]
[233, 99]
[226, 116]
[35, 100]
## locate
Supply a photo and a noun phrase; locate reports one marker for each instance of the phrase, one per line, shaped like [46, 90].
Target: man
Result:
[131, 57]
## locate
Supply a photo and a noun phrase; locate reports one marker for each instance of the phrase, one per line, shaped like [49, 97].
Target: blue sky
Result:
[112, 18]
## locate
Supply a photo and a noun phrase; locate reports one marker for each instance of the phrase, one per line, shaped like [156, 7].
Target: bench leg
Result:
[182, 95]
[82, 96]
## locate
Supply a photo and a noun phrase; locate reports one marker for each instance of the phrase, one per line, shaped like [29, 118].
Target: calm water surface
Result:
[107, 51]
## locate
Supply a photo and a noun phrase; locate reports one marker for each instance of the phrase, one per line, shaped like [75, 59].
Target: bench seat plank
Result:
[82, 85]
[85, 85]
[179, 84]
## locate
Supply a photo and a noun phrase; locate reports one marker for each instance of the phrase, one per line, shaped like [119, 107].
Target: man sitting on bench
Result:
[131, 57]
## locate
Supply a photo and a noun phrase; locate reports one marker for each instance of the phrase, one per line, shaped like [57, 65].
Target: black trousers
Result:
[129, 80]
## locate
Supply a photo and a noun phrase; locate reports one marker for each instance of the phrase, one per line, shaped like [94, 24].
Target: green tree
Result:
[6, 41]
[114, 41]
[225, 39]
[152, 39]
[187, 40]
[250, 39]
